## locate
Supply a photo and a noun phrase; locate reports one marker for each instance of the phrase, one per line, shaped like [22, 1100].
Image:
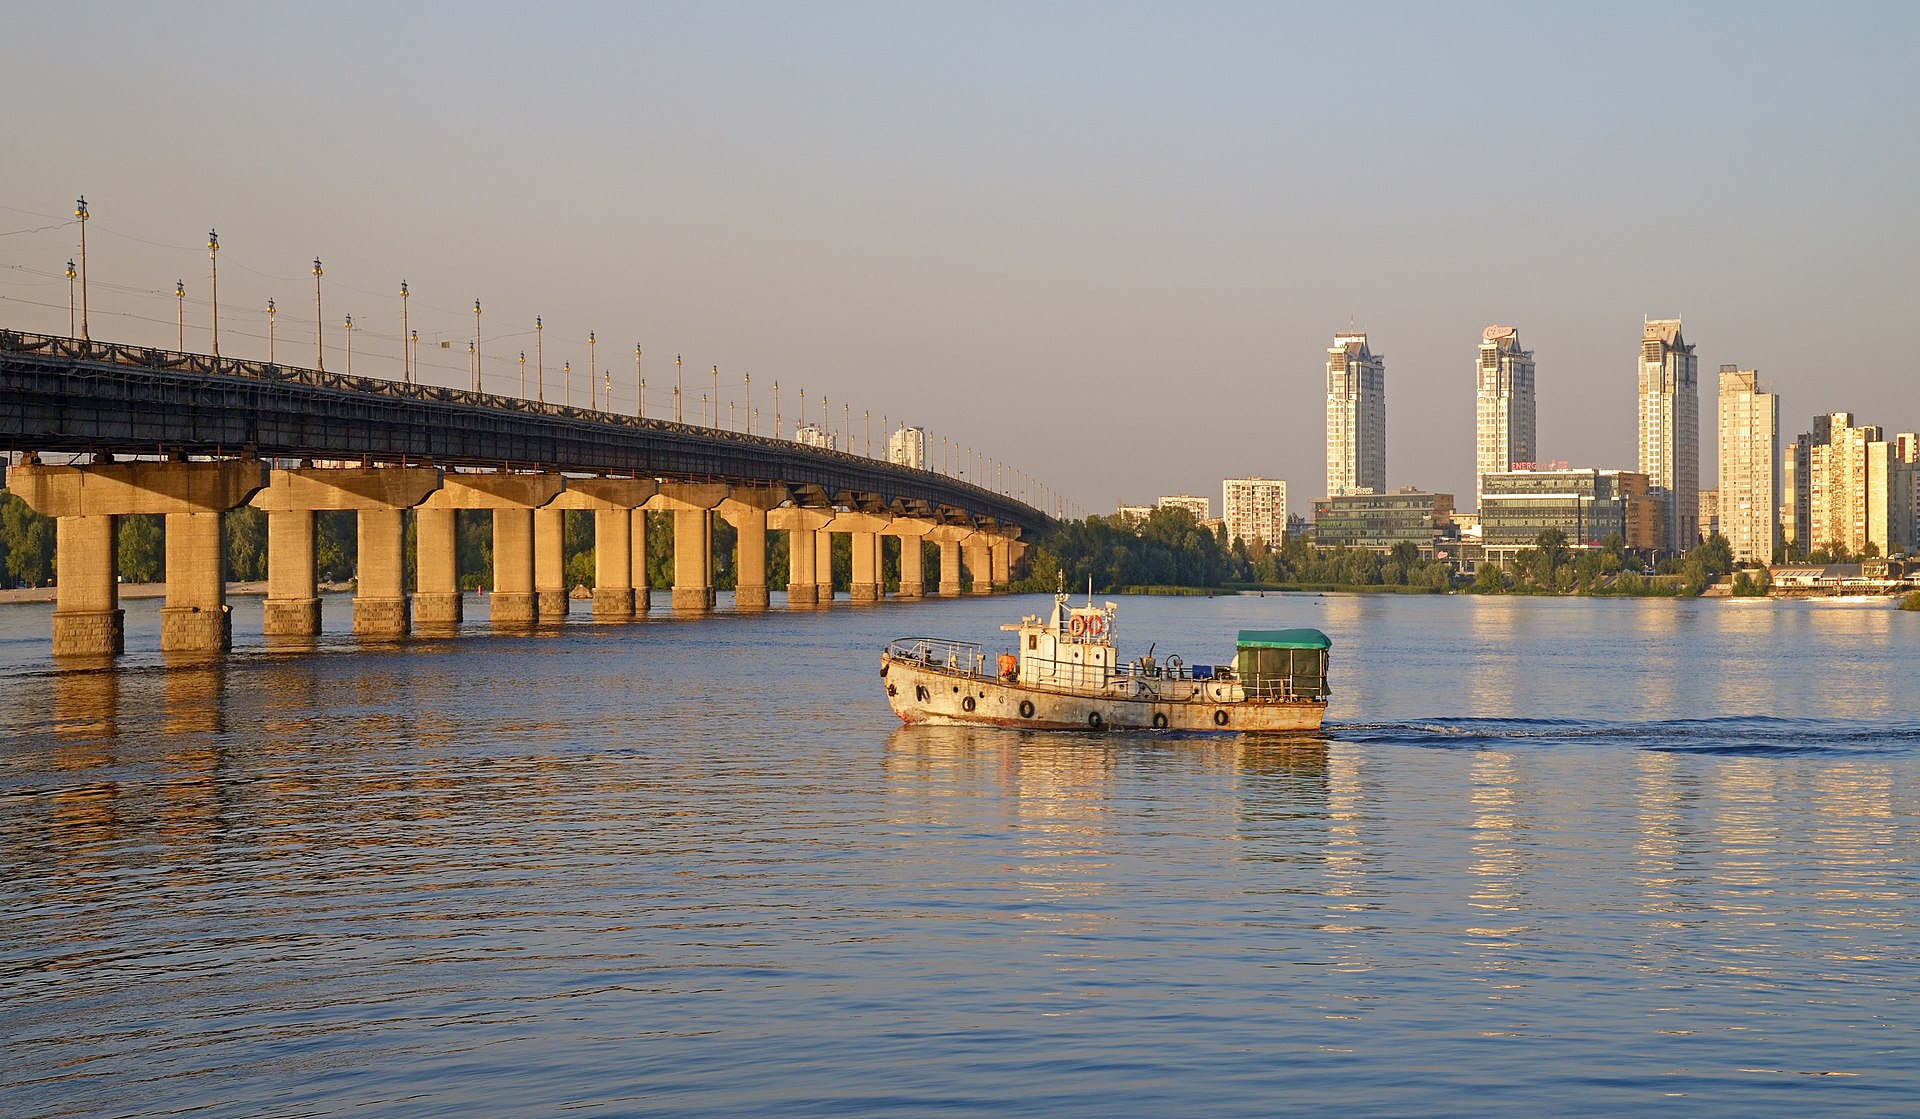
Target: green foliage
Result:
[143, 548]
[1911, 602]
[1751, 584]
[1490, 580]
[473, 548]
[26, 544]
[246, 532]
[336, 545]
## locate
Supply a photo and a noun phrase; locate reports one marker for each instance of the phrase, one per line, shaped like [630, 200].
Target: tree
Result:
[27, 542]
[246, 533]
[142, 552]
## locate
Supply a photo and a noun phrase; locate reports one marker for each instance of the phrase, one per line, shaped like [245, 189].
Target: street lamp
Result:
[569, 380]
[213, 257]
[746, 399]
[80, 211]
[272, 313]
[607, 405]
[349, 326]
[180, 301]
[476, 345]
[716, 398]
[868, 413]
[539, 361]
[803, 414]
[523, 374]
[406, 363]
[776, 409]
[319, 344]
[412, 340]
[70, 275]
[678, 413]
[639, 385]
[593, 359]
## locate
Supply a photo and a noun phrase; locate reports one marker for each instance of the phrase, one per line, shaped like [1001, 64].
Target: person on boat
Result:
[1009, 666]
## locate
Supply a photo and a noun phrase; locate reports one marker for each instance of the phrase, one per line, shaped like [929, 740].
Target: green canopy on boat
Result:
[1283, 639]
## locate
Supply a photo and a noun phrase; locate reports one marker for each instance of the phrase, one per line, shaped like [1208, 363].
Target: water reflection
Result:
[86, 702]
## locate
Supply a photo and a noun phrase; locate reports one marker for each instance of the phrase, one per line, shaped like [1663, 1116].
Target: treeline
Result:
[1170, 548]
[27, 556]
[1552, 567]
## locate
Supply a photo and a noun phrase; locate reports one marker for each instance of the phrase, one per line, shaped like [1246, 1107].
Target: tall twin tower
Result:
[1504, 430]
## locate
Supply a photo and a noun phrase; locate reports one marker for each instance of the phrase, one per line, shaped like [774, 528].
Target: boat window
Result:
[1033, 641]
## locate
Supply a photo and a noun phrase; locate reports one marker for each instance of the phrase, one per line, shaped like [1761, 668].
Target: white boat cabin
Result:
[1071, 649]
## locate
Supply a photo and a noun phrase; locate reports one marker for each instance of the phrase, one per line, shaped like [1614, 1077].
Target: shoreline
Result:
[249, 589]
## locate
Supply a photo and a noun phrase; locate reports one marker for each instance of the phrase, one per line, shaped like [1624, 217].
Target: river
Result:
[1550, 856]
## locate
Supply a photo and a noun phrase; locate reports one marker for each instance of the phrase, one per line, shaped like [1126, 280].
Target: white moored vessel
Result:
[1065, 673]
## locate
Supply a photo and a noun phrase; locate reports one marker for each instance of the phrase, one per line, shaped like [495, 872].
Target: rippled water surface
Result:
[1550, 857]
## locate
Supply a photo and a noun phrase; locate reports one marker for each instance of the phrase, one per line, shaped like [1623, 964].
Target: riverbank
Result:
[250, 589]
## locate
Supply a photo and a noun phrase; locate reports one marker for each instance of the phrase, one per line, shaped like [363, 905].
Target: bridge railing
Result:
[208, 365]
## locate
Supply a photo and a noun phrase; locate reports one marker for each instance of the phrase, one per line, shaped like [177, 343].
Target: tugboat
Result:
[1066, 675]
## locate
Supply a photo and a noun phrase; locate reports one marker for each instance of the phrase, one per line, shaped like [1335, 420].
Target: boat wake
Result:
[1732, 735]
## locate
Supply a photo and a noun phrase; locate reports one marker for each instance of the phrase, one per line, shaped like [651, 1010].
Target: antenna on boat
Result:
[1089, 591]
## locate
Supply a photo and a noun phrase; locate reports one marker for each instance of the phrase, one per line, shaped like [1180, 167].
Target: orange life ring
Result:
[1078, 626]
[1096, 625]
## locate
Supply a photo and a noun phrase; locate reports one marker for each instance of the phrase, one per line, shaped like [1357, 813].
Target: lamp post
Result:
[716, 398]
[716, 414]
[80, 211]
[523, 374]
[803, 414]
[703, 411]
[272, 314]
[746, 400]
[678, 397]
[776, 409]
[412, 340]
[569, 380]
[473, 354]
[639, 385]
[476, 345]
[70, 275]
[180, 301]
[319, 344]
[593, 359]
[213, 258]
[539, 362]
[349, 327]
[607, 404]
[406, 363]
[868, 413]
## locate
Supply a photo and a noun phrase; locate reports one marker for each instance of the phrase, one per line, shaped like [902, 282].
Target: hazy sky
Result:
[1106, 243]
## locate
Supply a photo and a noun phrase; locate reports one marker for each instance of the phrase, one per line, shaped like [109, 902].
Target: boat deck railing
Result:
[963, 657]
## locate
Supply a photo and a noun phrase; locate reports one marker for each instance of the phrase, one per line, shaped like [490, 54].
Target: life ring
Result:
[1093, 719]
[1096, 625]
[967, 704]
[1159, 720]
[1026, 709]
[1077, 626]
[1219, 718]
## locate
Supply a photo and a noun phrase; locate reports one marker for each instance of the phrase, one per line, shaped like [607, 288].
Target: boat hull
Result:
[922, 693]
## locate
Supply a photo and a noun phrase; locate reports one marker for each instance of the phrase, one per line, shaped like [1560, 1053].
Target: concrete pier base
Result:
[380, 602]
[514, 608]
[693, 599]
[803, 596]
[612, 604]
[750, 598]
[298, 617]
[196, 629]
[692, 559]
[553, 605]
[438, 608]
[196, 618]
[549, 564]
[89, 633]
[379, 617]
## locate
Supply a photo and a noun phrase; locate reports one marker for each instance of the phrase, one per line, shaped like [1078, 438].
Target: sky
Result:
[1105, 244]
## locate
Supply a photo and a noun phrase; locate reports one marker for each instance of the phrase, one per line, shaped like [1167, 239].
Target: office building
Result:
[813, 435]
[1356, 417]
[1254, 509]
[1586, 505]
[907, 446]
[1381, 520]
[1503, 410]
[1749, 493]
[1709, 514]
[1670, 427]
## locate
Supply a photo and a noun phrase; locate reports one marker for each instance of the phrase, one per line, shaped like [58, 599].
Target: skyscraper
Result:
[1356, 417]
[907, 446]
[1670, 427]
[1749, 465]
[1503, 414]
[1255, 509]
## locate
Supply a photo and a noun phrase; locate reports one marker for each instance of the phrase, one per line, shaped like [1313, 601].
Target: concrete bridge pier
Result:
[512, 498]
[437, 601]
[977, 554]
[802, 527]
[613, 503]
[86, 501]
[550, 564]
[1002, 563]
[692, 505]
[864, 528]
[911, 531]
[380, 600]
[823, 566]
[290, 500]
[949, 537]
[746, 509]
[87, 619]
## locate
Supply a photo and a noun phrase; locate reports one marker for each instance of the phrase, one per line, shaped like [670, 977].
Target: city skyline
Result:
[848, 199]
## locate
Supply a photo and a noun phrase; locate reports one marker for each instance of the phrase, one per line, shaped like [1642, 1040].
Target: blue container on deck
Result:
[1203, 672]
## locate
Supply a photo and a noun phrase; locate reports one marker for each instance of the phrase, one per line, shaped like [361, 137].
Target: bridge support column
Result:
[292, 608]
[514, 601]
[746, 509]
[912, 532]
[550, 563]
[802, 527]
[823, 566]
[642, 582]
[692, 559]
[85, 502]
[977, 554]
[87, 619]
[950, 568]
[865, 585]
[380, 602]
[436, 590]
[1002, 555]
[196, 618]
[613, 565]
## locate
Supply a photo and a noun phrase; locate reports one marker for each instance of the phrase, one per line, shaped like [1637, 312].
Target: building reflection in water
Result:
[1282, 787]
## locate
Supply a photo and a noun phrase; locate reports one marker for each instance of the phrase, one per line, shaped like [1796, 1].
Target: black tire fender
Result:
[1160, 720]
[966, 704]
[1219, 718]
[1026, 709]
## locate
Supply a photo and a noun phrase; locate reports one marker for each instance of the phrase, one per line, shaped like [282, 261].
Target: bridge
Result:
[192, 436]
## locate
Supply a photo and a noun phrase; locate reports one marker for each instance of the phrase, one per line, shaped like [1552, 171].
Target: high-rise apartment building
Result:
[907, 446]
[1200, 507]
[1749, 465]
[1255, 509]
[1356, 417]
[1670, 427]
[1859, 491]
[1796, 486]
[813, 435]
[1503, 412]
